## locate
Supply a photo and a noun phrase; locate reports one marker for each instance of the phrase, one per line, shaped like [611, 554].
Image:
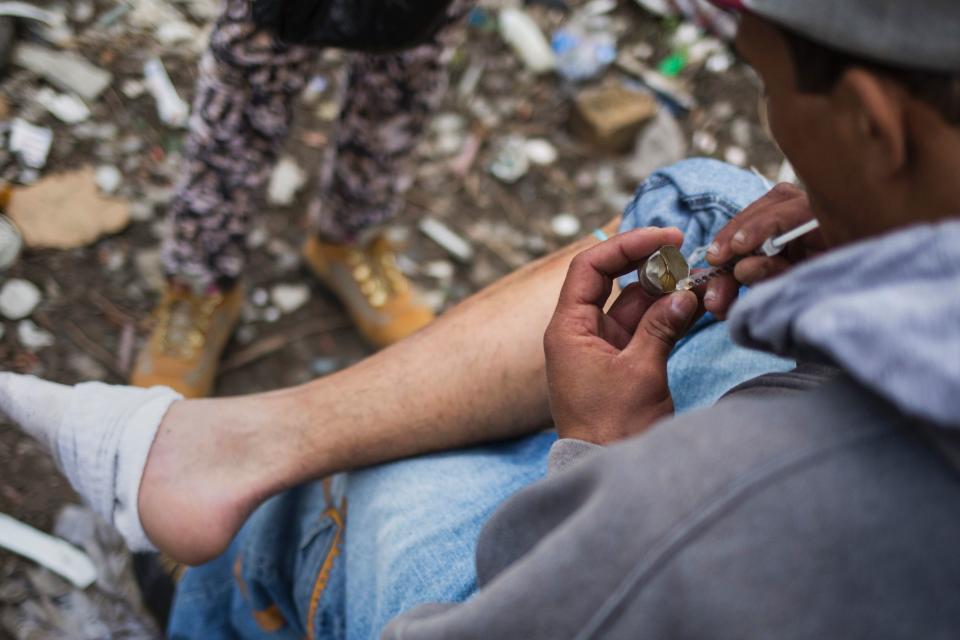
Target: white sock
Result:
[99, 435]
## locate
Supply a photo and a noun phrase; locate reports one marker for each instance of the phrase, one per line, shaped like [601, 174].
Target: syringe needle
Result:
[773, 246]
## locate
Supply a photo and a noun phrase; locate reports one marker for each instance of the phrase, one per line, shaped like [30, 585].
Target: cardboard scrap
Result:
[66, 210]
[610, 116]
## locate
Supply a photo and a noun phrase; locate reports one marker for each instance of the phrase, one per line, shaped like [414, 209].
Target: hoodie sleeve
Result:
[567, 451]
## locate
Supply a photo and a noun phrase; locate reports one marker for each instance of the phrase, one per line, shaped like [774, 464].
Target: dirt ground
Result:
[94, 295]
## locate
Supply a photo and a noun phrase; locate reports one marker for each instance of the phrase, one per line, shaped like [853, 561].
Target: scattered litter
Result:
[30, 143]
[65, 210]
[540, 151]
[446, 238]
[108, 178]
[526, 39]
[11, 242]
[32, 337]
[149, 265]
[314, 89]
[511, 162]
[171, 108]
[439, 269]
[434, 299]
[86, 367]
[719, 62]
[449, 132]
[461, 164]
[735, 155]
[65, 70]
[289, 297]
[583, 48]
[740, 132]
[673, 64]
[326, 366]
[705, 142]
[65, 107]
[18, 299]
[285, 181]
[260, 297]
[662, 143]
[176, 31]
[565, 225]
[470, 79]
[271, 314]
[52, 553]
[30, 12]
[133, 89]
[661, 8]
[611, 115]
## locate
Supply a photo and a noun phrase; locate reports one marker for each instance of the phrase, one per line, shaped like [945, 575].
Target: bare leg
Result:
[475, 375]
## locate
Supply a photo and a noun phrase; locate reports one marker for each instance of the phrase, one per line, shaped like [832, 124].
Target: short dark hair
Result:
[818, 68]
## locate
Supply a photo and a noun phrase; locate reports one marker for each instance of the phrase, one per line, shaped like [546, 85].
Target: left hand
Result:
[607, 371]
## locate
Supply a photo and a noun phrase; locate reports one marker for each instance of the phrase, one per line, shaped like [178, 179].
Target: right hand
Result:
[781, 209]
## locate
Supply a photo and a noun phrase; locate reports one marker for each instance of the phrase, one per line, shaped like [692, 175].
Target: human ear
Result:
[872, 109]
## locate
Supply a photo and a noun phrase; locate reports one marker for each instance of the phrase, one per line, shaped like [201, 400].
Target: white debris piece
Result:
[29, 12]
[170, 33]
[171, 108]
[65, 70]
[446, 238]
[540, 151]
[133, 89]
[285, 181]
[11, 242]
[30, 142]
[511, 162]
[67, 108]
[705, 142]
[439, 269]
[108, 178]
[18, 299]
[735, 155]
[660, 8]
[289, 297]
[565, 225]
[33, 337]
[527, 40]
[53, 553]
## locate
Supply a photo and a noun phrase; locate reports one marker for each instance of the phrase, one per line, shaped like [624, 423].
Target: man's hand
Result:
[783, 208]
[607, 372]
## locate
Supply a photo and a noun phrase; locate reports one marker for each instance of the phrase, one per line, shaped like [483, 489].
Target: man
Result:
[805, 504]
[340, 558]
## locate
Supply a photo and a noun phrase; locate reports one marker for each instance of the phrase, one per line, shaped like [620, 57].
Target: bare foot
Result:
[211, 464]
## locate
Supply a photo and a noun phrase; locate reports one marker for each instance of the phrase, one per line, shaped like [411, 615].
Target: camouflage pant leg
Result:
[387, 102]
[241, 115]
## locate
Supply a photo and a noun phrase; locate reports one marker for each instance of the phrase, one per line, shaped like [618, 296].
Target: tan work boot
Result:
[366, 279]
[190, 333]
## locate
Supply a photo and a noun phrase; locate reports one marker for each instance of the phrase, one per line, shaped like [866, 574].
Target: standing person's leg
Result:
[247, 85]
[388, 100]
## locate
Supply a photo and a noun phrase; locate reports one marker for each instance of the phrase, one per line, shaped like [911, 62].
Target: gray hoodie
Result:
[819, 503]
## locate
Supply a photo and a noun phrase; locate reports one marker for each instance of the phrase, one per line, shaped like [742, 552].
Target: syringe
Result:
[771, 247]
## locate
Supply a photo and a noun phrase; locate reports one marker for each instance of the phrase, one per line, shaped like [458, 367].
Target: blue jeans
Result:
[296, 569]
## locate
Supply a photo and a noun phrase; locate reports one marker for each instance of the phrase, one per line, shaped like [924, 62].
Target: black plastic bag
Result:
[360, 25]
